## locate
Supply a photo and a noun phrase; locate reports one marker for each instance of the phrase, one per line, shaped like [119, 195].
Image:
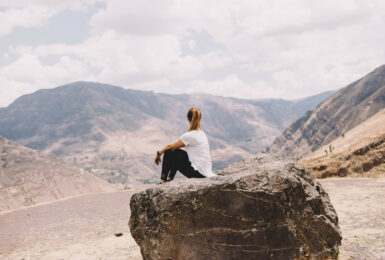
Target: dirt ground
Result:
[360, 205]
[84, 227]
[77, 228]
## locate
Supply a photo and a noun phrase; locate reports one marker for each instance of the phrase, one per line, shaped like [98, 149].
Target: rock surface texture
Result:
[259, 208]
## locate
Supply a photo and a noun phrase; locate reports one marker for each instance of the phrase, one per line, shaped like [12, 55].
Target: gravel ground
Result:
[360, 205]
[84, 227]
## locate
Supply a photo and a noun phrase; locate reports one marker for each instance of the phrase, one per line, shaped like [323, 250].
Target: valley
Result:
[29, 177]
[114, 133]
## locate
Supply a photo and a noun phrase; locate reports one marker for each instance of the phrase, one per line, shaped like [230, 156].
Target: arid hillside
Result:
[29, 177]
[359, 152]
[331, 119]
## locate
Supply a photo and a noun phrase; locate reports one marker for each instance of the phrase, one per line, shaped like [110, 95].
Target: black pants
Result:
[177, 160]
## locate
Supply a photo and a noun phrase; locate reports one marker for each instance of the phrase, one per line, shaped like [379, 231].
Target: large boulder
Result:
[260, 208]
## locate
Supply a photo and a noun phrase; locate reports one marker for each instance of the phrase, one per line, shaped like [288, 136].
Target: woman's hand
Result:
[157, 158]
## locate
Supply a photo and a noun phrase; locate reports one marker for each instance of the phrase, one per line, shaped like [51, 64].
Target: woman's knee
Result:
[168, 154]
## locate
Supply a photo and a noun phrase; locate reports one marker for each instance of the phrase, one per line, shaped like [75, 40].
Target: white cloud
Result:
[24, 13]
[281, 49]
[29, 74]
[12, 89]
[126, 60]
[26, 17]
[192, 44]
[232, 86]
[60, 4]
[146, 17]
[28, 68]
[216, 59]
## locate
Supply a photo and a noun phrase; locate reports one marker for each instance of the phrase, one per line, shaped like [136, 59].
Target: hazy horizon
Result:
[161, 92]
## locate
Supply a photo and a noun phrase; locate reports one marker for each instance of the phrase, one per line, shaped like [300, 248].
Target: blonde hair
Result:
[194, 116]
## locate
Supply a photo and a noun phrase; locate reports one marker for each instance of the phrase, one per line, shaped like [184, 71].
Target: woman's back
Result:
[198, 150]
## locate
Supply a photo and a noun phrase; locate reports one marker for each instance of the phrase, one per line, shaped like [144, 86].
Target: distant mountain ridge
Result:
[99, 126]
[336, 115]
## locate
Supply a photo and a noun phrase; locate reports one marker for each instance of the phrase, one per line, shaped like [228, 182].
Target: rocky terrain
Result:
[360, 152]
[367, 161]
[260, 208]
[29, 177]
[114, 132]
[332, 118]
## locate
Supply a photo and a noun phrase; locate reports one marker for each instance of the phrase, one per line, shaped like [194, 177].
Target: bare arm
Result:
[175, 145]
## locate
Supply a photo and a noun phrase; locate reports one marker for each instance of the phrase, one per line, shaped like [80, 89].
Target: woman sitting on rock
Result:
[193, 160]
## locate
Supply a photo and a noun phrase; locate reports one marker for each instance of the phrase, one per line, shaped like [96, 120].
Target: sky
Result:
[246, 48]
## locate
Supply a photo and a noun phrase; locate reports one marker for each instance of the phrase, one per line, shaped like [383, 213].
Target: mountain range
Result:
[114, 132]
[341, 112]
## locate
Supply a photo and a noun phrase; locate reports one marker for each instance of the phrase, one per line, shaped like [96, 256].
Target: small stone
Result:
[118, 234]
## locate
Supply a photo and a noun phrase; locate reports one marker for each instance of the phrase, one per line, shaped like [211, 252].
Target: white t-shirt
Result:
[198, 151]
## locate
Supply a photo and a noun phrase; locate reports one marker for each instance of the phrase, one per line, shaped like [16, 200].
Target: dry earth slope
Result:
[28, 177]
[360, 152]
[332, 118]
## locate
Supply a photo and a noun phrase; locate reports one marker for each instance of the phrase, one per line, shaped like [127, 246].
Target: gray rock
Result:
[260, 208]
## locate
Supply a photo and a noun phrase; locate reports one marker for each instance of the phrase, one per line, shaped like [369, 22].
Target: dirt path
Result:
[84, 227]
[77, 228]
[360, 205]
